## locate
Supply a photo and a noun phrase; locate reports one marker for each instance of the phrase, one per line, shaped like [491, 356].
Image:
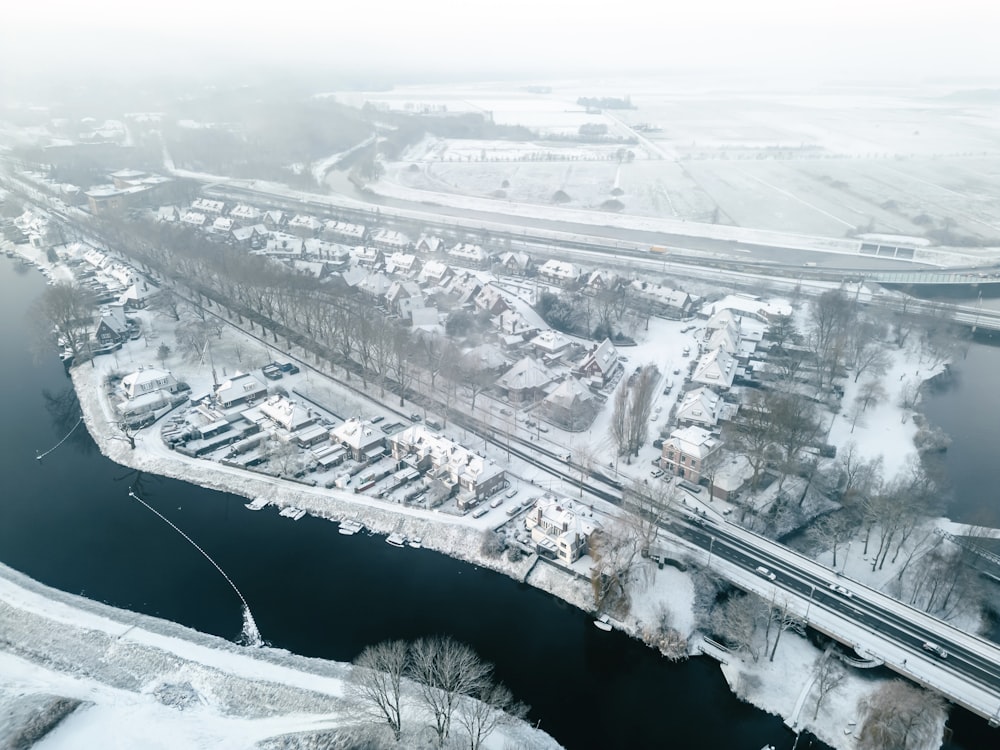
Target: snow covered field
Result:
[147, 683]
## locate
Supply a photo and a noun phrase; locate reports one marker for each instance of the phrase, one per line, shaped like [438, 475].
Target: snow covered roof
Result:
[717, 368]
[550, 341]
[693, 441]
[702, 406]
[569, 393]
[525, 374]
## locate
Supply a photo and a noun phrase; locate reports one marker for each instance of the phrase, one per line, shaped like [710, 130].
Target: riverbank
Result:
[99, 672]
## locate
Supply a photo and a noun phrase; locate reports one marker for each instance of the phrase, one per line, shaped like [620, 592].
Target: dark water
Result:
[68, 522]
[966, 406]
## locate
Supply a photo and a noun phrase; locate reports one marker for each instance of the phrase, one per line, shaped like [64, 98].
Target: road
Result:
[875, 625]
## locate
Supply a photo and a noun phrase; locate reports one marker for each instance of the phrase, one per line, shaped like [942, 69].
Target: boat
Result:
[603, 623]
[258, 504]
[292, 512]
[348, 528]
[416, 543]
[395, 539]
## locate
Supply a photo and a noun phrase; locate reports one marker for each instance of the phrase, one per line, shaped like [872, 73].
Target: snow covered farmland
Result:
[919, 164]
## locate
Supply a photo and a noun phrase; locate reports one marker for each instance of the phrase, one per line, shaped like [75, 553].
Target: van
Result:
[480, 512]
[496, 502]
[692, 488]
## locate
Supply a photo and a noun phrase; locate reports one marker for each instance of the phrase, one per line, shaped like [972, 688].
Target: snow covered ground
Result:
[148, 683]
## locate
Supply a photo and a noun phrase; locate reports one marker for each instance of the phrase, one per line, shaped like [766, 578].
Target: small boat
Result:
[258, 504]
[603, 623]
[395, 539]
[292, 512]
[415, 542]
[347, 528]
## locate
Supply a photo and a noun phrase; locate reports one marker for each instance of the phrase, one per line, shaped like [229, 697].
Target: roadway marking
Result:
[796, 198]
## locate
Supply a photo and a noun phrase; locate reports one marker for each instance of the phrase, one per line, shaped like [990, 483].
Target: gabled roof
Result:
[702, 405]
[716, 368]
[550, 341]
[604, 357]
[569, 393]
[524, 375]
[693, 441]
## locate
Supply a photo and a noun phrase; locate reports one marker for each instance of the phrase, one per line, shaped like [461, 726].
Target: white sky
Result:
[836, 38]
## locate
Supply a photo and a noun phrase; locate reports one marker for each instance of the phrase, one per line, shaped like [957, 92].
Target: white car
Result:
[656, 473]
[761, 570]
[840, 590]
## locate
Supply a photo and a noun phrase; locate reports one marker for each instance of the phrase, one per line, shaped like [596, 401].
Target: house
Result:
[559, 272]
[730, 476]
[686, 451]
[275, 221]
[287, 414]
[367, 257]
[403, 263]
[484, 358]
[570, 404]
[515, 264]
[360, 439]
[525, 381]
[671, 303]
[491, 300]
[513, 323]
[280, 243]
[208, 207]
[194, 219]
[550, 343]
[560, 530]
[600, 363]
[755, 307]
[466, 254]
[702, 406]
[222, 225]
[342, 231]
[245, 214]
[245, 237]
[601, 281]
[147, 380]
[430, 244]
[717, 369]
[435, 273]
[136, 296]
[375, 285]
[389, 240]
[302, 225]
[726, 338]
[402, 296]
[112, 328]
[467, 475]
[242, 388]
[168, 213]
[723, 318]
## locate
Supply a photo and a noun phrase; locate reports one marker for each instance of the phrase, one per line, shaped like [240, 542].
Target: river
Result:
[67, 521]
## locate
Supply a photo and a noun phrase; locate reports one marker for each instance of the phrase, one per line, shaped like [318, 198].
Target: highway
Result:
[878, 626]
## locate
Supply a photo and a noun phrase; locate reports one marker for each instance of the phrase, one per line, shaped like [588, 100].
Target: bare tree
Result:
[831, 315]
[633, 407]
[446, 670]
[67, 310]
[377, 682]
[785, 621]
[490, 707]
[898, 715]
[870, 391]
[830, 677]
[865, 350]
[753, 432]
[738, 620]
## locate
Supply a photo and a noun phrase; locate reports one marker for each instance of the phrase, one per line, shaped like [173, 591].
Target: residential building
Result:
[600, 363]
[466, 254]
[194, 219]
[287, 414]
[342, 231]
[524, 382]
[112, 328]
[559, 529]
[360, 438]
[559, 272]
[304, 226]
[208, 207]
[702, 406]
[515, 264]
[242, 388]
[389, 240]
[429, 244]
[245, 214]
[491, 300]
[550, 343]
[717, 369]
[686, 451]
[147, 380]
[470, 477]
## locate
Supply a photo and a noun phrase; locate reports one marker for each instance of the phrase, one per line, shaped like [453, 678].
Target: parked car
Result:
[376, 420]
[506, 412]
[414, 417]
[657, 473]
[287, 367]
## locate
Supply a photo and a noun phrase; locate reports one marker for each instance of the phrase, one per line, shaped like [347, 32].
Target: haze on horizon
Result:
[404, 41]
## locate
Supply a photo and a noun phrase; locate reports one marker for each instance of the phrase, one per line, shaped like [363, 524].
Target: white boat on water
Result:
[603, 622]
[292, 512]
[416, 542]
[258, 504]
[395, 539]
[347, 528]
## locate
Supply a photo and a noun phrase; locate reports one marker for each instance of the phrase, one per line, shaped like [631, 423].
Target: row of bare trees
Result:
[633, 406]
[438, 680]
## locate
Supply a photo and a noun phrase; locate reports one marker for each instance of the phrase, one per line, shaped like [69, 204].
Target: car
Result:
[414, 417]
[506, 412]
[935, 649]
[686, 351]
[840, 590]
[511, 492]
[689, 486]
[376, 420]
[761, 570]
[657, 473]
[542, 428]
[677, 371]
[287, 367]
[685, 329]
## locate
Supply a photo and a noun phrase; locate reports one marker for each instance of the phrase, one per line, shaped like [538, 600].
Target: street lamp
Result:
[711, 545]
[812, 590]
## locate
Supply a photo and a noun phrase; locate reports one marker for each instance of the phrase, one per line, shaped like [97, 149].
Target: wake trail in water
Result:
[251, 635]
[40, 456]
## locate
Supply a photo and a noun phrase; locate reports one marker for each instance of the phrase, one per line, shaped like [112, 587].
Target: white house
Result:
[558, 271]
[717, 369]
[147, 380]
[702, 406]
[239, 389]
[559, 529]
